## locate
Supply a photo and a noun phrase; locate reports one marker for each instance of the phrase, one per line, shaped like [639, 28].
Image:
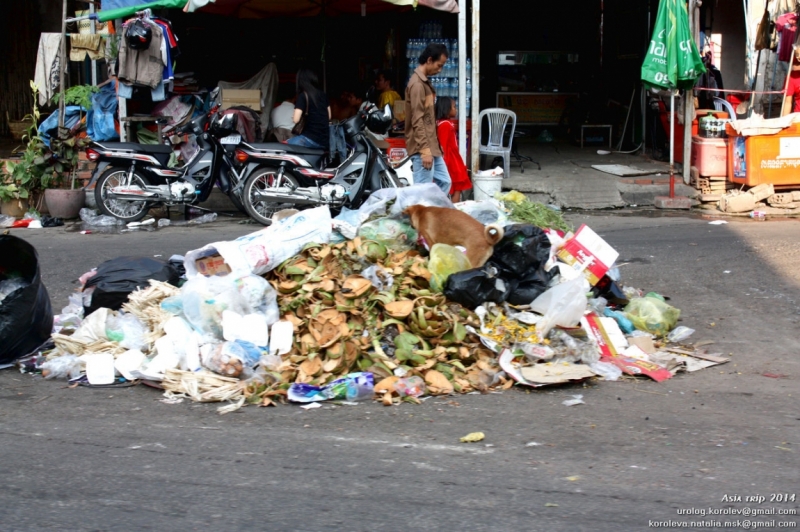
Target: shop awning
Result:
[127, 8]
[114, 9]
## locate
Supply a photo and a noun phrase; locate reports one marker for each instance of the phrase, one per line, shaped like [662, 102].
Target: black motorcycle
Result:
[283, 176]
[130, 178]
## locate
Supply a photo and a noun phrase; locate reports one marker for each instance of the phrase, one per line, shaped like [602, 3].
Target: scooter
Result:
[130, 178]
[281, 176]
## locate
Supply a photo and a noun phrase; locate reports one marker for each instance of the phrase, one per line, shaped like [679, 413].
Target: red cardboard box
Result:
[587, 247]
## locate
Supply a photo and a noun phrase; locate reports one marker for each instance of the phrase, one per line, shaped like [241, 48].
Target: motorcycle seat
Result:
[288, 148]
[146, 148]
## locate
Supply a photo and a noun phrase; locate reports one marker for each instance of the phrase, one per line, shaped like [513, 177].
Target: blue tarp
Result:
[72, 116]
[100, 119]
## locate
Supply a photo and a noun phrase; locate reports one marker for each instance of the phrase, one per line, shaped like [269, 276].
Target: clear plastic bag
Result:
[205, 298]
[444, 261]
[400, 235]
[679, 334]
[563, 304]
[486, 212]
[652, 315]
[63, 367]
[569, 349]
[231, 359]
[92, 217]
[127, 331]
[6, 221]
[379, 277]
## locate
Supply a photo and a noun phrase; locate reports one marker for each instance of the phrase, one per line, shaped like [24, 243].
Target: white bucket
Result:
[486, 186]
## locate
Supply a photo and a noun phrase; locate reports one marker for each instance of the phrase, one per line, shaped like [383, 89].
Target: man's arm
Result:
[417, 115]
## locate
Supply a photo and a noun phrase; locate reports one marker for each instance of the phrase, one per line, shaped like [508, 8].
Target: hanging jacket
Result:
[142, 67]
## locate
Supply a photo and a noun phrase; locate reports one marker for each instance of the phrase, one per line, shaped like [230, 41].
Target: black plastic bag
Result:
[117, 278]
[26, 317]
[518, 262]
[474, 287]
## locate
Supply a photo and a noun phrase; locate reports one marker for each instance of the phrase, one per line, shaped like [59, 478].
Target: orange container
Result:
[767, 159]
[710, 156]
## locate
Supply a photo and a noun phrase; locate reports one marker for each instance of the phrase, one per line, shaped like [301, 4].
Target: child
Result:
[445, 110]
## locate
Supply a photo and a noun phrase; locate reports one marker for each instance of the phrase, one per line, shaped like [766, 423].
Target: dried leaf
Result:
[438, 382]
[399, 309]
[387, 385]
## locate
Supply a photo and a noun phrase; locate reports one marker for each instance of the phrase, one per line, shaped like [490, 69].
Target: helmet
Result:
[379, 121]
[225, 124]
[138, 35]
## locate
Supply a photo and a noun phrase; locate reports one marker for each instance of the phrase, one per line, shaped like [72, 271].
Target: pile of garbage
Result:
[301, 312]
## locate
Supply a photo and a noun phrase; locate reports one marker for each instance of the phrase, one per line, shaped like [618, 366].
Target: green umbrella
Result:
[124, 12]
[672, 61]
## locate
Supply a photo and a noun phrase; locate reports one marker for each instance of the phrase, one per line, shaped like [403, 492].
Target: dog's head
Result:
[413, 212]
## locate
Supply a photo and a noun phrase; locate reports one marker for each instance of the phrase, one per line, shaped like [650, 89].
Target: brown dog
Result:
[439, 225]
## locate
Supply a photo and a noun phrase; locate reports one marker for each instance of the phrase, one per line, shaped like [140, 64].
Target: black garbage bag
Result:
[517, 263]
[117, 278]
[26, 317]
[611, 291]
[474, 287]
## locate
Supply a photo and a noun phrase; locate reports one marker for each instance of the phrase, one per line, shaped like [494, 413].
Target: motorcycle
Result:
[283, 176]
[131, 178]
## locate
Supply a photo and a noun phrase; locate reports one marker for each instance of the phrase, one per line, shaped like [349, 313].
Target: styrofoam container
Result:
[710, 156]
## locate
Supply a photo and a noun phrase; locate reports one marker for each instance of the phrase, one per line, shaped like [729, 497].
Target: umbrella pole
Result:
[672, 144]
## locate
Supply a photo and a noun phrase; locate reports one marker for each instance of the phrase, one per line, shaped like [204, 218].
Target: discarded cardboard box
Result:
[762, 191]
[587, 247]
[645, 343]
[212, 265]
[248, 98]
[737, 203]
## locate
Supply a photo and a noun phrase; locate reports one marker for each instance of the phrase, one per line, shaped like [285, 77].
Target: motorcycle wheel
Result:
[262, 179]
[127, 211]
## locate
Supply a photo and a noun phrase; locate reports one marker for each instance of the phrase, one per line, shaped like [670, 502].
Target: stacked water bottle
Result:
[446, 83]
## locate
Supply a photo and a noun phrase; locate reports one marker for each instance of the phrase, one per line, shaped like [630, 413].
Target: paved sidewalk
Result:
[568, 180]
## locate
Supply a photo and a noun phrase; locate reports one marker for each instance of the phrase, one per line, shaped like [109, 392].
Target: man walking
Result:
[421, 140]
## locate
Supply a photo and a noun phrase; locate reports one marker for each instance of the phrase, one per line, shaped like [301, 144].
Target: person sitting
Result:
[312, 109]
[388, 95]
[282, 119]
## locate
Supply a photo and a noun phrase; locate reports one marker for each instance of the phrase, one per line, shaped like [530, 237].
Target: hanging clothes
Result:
[142, 67]
[83, 45]
[786, 25]
[46, 76]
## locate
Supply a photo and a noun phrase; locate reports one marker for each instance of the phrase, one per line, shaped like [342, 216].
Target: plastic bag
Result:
[379, 277]
[472, 288]
[260, 252]
[9, 286]
[400, 235]
[350, 387]
[652, 315]
[231, 359]
[127, 331]
[444, 261]
[117, 278]
[413, 386]
[204, 299]
[608, 371]
[7, 221]
[63, 367]
[26, 317]
[563, 304]
[92, 217]
[622, 320]
[486, 212]
[568, 349]
[679, 334]
[252, 328]
[520, 257]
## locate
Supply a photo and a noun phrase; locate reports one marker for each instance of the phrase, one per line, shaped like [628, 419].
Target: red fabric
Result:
[793, 90]
[455, 165]
[787, 26]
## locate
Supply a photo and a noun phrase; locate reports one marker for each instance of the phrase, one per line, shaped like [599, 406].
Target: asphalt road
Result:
[637, 454]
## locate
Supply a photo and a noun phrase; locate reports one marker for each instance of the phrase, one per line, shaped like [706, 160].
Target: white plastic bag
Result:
[264, 250]
[127, 331]
[563, 305]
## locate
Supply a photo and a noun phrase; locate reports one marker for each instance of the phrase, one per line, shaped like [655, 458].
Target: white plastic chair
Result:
[725, 105]
[495, 142]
